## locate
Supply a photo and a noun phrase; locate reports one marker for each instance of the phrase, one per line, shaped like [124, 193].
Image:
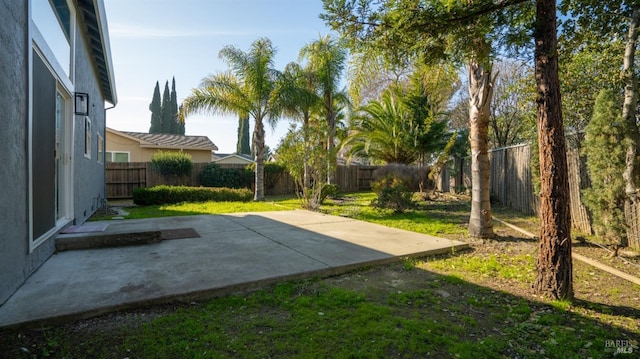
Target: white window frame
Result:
[67, 160]
[39, 41]
[65, 83]
[111, 153]
[87, 137]
[100, 150]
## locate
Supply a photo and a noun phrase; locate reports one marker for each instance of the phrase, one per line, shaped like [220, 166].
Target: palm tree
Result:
[383, 130]
[326, 59]
[248, 87]
[300, 102]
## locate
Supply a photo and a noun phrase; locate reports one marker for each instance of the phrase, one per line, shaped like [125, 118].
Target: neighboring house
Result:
[273, 157]
[56, 76]
[123, 146]
[232, 158]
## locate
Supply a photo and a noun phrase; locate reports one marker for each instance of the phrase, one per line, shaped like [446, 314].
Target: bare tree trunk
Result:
[554, 267]
[331, 122]
[306, 176]
[258, 145]
[632, 135]
[480, 91]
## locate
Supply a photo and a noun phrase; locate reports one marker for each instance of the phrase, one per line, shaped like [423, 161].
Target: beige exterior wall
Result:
[117, 143]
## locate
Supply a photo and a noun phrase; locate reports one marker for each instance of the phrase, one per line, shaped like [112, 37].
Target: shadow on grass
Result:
[379, 312]
[601, 308]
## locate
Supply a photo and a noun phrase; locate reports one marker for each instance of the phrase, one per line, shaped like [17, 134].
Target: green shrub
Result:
[172, 163]
[214, 176]
[176, 194]
[392, 194]
[329, 190]
[412, 177]
[394, 185]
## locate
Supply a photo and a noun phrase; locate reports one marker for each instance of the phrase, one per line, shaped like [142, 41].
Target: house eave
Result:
[121, 134]
[97, 30]
[177, 147]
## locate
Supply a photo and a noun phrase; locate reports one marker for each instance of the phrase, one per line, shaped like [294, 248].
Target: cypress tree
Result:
[605, 151]
[243, 147]
[176, 125]
[155, 108]
[166, 110]
[181, 120]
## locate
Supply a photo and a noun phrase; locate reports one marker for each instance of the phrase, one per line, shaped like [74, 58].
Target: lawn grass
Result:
[434, 218]
[423, 315]
[472, 304]
[188, 209]
[520, 267]
[429, 217]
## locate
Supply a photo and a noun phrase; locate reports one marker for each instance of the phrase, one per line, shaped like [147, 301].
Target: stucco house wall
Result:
[13, 149]
[21, 251]
[88, 172]
[142, 151]
[116, 142]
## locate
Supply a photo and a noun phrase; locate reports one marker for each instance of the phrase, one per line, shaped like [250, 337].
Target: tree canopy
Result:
[165, 116]
[248, 87]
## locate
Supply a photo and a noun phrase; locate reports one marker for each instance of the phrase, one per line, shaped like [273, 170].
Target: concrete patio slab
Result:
[235, 252]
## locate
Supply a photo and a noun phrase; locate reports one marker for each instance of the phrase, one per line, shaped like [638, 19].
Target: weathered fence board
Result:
[364, 178]
[123, 178]
[578, 180]
[512, 182]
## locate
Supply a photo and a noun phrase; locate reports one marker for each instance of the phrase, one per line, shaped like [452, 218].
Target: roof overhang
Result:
[145, 144]
[97, 30]
[118, 133]
[181, 148]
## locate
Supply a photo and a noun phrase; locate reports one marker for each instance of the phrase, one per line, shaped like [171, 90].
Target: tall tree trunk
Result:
[632, 135]
[306, 176]
[554, 267]
[258, 145]
[480, 91]
[331, 122]
[243, 147]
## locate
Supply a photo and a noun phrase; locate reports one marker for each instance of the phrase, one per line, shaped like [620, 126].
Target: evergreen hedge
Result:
[172, 163]
[214, 176]
[175, 194]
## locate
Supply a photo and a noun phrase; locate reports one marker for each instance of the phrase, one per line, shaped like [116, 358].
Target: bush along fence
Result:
[512, 185]
[123, 178]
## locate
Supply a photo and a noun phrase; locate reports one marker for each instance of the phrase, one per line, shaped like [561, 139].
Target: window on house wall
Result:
[53, 20]
[100, 153]
[115, 156]
[87, 137]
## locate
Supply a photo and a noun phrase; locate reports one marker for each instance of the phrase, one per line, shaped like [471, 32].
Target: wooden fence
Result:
[123, 178]
[512, 181]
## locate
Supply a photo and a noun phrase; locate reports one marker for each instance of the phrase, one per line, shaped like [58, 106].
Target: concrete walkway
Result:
[234, 252]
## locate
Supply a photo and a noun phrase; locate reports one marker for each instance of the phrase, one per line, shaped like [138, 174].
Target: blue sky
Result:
[154, 40]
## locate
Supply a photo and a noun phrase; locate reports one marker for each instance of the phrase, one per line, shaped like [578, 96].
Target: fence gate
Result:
[365, 175]
[123, 178]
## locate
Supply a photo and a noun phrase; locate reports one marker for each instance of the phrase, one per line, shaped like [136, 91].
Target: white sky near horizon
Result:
[155, 40]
